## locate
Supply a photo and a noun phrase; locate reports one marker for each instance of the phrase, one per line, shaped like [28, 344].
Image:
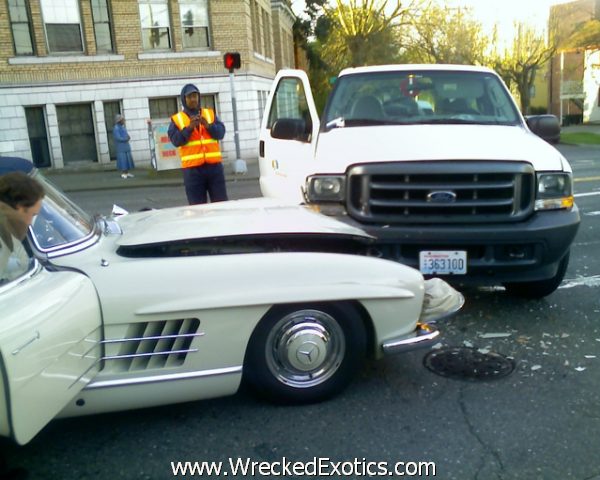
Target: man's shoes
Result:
[130, 175]
[124, 175]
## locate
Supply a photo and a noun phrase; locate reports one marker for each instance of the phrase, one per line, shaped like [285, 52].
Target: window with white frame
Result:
[20, 23]
[194, 23]
[102, 26]
[156, 27]
[62, 21]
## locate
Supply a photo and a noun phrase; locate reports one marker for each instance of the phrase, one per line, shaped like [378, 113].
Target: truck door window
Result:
[290, 102]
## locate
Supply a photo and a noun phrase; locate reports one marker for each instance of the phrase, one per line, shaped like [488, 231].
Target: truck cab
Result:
[436, 162]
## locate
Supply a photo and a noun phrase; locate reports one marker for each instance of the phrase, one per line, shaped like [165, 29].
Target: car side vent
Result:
[150, 345]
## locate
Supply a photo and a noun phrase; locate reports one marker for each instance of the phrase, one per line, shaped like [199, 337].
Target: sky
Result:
[489, 12]
[533, 12]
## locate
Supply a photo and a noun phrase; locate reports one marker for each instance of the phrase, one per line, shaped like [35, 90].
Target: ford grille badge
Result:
[441, 196]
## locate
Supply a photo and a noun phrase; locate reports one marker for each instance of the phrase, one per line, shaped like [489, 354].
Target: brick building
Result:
[574, 72]
[68, 66]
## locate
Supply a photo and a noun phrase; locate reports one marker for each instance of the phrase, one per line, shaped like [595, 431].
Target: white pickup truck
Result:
[434, 161]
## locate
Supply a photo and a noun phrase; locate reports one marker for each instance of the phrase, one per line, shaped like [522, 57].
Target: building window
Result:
[38, 136]
[102, 26]
[156, 27]
[77, 135]
[63, 26]
[20, 23]
[208, 101]
[261, 30]
[267, 41]
[162, 108]
[165, 108]
[257, 37]
[194, 22]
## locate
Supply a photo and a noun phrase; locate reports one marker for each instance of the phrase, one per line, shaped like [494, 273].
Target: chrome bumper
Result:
[424, 336]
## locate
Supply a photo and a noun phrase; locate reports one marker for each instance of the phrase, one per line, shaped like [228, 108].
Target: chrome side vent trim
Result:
[151, 345]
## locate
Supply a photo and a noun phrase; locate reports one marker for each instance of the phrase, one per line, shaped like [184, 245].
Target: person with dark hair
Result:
[196, 132]
[20, 201]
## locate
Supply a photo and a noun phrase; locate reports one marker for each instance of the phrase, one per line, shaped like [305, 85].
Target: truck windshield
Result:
[409, 97]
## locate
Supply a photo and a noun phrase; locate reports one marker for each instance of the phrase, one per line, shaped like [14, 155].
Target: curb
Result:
[100, 179]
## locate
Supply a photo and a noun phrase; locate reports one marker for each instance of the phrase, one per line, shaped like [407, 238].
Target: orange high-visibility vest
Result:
[201, 147]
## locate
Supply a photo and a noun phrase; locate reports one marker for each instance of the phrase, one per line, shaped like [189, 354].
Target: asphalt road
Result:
[540, 422]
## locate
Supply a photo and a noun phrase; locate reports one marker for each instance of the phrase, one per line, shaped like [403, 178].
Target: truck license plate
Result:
[443, 262]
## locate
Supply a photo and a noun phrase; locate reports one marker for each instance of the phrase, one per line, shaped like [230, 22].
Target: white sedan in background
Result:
[185, 303]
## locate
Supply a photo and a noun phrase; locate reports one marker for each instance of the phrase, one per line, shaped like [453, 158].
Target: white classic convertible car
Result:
[184, 303]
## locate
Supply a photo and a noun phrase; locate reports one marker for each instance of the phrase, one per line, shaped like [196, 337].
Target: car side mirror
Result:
[291, 129]
[545, 126]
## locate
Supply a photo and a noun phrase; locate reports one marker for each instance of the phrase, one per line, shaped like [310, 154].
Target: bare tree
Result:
[365, 32]
[449, 35]
[523, 59]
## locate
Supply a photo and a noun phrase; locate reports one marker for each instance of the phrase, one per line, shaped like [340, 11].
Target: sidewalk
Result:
[99, 177]
[582, 127]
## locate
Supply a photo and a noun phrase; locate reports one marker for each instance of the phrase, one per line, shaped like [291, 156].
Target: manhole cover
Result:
[468, 363]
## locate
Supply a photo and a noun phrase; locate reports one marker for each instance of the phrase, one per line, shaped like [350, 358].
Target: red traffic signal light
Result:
[232, 60]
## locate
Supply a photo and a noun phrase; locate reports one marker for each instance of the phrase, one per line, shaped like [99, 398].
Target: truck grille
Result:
[440, 192]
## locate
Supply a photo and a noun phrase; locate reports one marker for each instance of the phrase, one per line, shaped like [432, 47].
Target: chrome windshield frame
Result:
[86, 236]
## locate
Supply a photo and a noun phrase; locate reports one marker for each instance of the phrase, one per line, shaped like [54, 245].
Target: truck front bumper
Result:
[502, 252]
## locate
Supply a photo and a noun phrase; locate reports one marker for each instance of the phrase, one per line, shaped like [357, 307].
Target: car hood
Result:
[433, 142]
[250, 217]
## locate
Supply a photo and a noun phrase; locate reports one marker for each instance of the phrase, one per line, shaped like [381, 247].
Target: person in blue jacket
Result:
[124, 158]
[196, 132]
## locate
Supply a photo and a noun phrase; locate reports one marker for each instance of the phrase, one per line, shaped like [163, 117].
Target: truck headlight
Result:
[554, 191]
[326, 188]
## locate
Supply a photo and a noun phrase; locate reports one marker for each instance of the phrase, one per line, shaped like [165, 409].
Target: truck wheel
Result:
[540, 288]
[305, 353]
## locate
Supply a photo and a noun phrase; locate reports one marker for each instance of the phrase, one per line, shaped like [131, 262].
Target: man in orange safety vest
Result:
[196, 133]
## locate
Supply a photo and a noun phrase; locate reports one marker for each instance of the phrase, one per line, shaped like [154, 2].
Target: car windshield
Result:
[60, 222]
[422, 97]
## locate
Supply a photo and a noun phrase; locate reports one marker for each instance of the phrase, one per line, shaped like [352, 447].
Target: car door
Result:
[285, 158]
[50, 331]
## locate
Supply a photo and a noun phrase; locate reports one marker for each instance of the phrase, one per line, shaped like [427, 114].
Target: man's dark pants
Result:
[208, 178]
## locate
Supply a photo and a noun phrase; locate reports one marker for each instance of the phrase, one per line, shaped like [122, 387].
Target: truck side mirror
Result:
[291, 129]
[545, 126]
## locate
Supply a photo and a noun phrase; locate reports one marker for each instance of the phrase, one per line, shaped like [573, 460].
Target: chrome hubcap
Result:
[305, 348]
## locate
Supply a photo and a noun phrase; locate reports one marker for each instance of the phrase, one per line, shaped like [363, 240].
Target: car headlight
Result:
[326, 188]
[554, 191]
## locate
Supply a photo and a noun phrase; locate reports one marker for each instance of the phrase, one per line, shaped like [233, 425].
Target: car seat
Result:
[367, 107]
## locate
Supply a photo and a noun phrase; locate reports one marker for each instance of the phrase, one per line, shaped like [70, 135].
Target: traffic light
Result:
[232, 61]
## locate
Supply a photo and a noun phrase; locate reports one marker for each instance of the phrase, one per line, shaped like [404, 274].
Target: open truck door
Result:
[288, 136]
[50, 333]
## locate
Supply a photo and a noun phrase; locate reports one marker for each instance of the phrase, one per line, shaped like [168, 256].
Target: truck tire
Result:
[539, 288]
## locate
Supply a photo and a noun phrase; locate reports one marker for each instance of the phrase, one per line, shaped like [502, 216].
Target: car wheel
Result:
[305, 353]
[540, 288]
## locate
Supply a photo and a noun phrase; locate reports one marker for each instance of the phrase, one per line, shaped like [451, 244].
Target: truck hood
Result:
[340, 147]
[251, 217]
